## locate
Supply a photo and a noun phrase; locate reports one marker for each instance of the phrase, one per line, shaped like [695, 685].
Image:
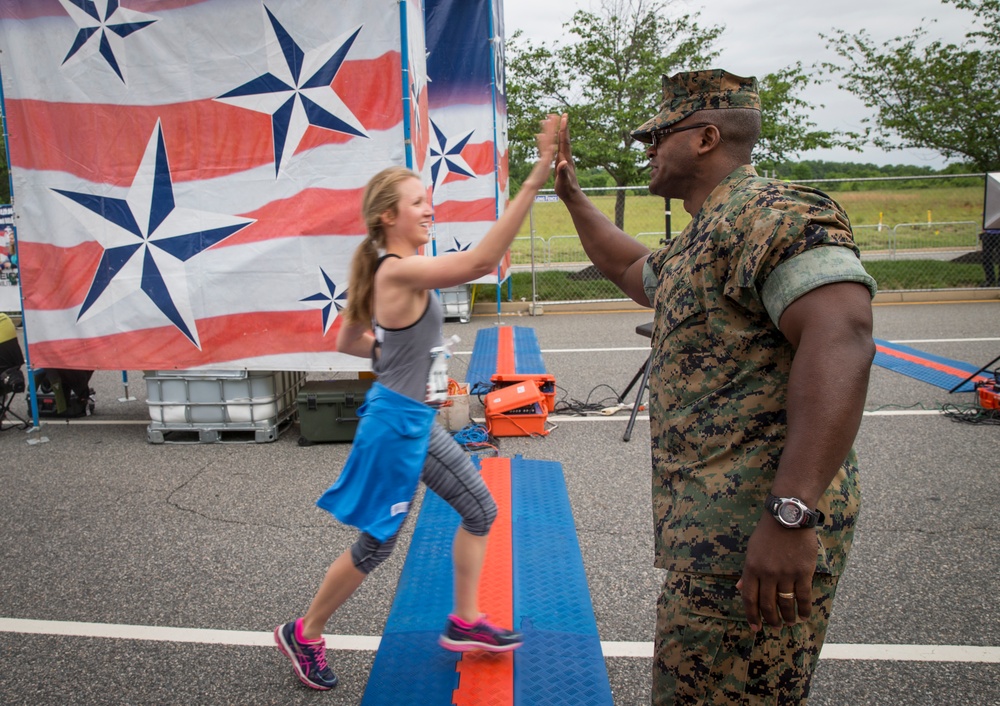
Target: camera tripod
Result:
[643, 372]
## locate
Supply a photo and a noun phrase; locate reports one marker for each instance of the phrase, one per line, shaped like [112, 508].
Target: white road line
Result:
[903, 413]
[878, 653]
[164, 634]
[596, 350]
[622, 416]
[945, 340]
[883, 653]
[913, 653]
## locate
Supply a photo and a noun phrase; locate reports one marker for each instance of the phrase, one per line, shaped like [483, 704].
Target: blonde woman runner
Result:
[393, 316]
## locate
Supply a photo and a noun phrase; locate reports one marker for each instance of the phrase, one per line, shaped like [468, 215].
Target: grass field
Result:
[645, 213]
[885, 222]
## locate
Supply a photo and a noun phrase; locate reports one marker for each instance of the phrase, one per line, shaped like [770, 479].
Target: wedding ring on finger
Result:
[788, 596]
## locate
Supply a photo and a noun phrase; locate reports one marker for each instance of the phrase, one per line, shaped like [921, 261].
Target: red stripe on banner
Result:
[150, 6]
[934, 365]
[504, 266]
[59, 278]
[30, 9]
[309, 212]
[68, 273]
[466, 211]
[486, 679]
[204, 138]
[223, 339]
[420, 131]
[480, 157]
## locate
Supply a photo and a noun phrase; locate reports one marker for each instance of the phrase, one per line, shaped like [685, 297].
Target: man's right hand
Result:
[566, 185]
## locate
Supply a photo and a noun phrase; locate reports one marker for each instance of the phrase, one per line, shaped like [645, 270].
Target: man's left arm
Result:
[830, 328]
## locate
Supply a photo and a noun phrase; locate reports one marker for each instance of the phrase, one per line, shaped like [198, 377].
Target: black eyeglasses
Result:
[658, 135]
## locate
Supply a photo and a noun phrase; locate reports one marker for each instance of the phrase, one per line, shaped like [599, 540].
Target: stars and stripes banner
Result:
[187, 174]
[468, 119]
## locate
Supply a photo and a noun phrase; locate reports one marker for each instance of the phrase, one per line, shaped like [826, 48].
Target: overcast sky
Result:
[763, 37]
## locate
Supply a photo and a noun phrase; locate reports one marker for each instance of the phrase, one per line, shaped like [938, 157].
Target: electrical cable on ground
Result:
[475, 439]
[971, 414]
[576, 407]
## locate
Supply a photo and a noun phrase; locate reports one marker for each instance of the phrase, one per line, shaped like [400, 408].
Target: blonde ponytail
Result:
[381, 194]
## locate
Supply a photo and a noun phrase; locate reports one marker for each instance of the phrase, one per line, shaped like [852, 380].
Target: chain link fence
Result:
[914, 233]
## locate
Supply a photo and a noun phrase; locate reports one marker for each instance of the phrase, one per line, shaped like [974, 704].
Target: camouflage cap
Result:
[690, 91]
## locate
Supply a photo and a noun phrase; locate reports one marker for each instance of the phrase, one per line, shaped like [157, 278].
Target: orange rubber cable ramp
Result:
[506, 358]
[487, 679]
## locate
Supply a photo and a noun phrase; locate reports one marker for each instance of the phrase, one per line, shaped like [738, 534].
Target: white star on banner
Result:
[296, 91]
[147, 239]
[103, 26]
[329, 301]
[446, 156]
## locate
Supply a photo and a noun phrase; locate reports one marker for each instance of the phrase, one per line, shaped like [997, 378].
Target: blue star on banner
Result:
[103, 26]
[499, 67]
[296, 91]
[330, 301]
[458, 247]
[418, 84]
[446, 156]
[147, 239]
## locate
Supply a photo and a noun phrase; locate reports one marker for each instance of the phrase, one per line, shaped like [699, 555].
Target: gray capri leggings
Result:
[449, 473]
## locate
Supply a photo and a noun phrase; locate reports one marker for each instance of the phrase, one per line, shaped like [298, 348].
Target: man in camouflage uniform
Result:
[761, 349]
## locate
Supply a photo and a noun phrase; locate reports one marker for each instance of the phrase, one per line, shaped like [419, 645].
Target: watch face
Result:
[789, 513]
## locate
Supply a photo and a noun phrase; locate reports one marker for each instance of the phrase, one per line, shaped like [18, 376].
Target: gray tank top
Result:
[403, 363]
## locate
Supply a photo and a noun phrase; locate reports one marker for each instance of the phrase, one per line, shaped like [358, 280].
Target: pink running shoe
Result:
[308, 658]
[460, 636]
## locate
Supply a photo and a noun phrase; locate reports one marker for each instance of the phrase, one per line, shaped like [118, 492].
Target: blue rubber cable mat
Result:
[561, 661]
[409, 663]
[527, 352]
[926, 367]
[483, 363]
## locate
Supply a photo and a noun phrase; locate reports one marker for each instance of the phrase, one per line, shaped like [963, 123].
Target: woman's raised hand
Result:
[548, 143]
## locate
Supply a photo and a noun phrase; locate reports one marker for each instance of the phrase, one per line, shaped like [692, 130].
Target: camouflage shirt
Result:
[720, 366]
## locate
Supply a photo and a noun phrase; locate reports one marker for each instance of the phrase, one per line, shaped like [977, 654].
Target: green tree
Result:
[609, 81]
[785, 126]
[927, 94]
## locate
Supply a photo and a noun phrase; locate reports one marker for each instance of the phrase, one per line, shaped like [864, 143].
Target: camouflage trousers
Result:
[705, 653]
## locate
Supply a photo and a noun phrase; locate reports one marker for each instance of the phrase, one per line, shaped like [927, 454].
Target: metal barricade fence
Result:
[913, 233]
[936, 240]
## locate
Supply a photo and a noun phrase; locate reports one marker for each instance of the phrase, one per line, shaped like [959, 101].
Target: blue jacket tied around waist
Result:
[383, 469]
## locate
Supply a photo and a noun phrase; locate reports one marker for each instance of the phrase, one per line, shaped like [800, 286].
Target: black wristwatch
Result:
[793, 513]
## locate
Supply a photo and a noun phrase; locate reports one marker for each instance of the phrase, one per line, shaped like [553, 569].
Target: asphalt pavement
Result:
[140, 573]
